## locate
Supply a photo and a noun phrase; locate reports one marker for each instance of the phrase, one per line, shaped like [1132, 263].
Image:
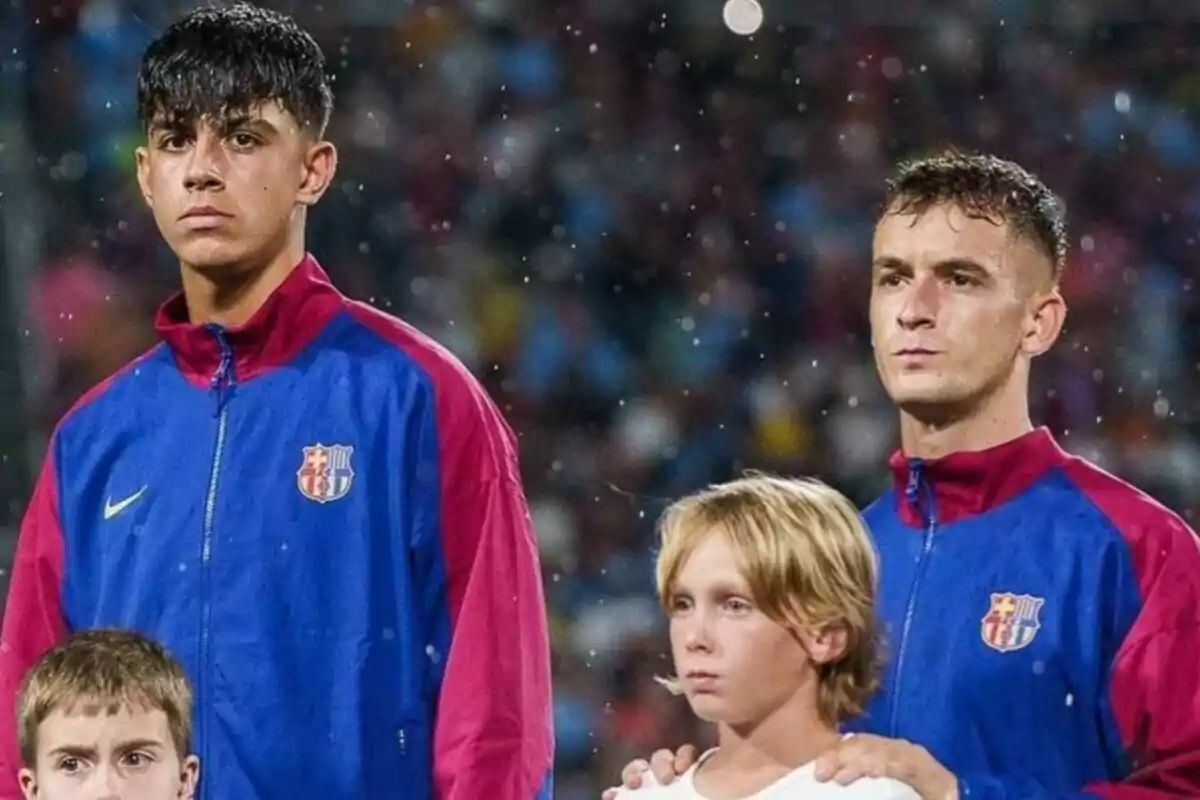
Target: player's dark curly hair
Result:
[985, 187]
[221, 61]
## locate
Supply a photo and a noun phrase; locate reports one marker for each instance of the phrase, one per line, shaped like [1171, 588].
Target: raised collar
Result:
[285, 324]
[969, 483]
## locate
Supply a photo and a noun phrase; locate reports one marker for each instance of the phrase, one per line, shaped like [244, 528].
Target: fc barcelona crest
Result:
[1012, 621]
[325, 474]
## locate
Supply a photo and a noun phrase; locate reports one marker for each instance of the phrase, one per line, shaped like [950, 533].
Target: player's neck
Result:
[232, 299]
[792, 736]
[1001, 417]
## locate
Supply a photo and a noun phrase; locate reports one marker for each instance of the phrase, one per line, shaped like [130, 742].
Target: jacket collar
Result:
[287, 322]
[969, 483]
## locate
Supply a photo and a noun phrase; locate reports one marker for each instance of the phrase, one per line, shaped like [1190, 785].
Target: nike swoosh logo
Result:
[111, 509]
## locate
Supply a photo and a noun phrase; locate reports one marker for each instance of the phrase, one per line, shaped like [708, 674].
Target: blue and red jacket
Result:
[320, 514]
[1043, 627]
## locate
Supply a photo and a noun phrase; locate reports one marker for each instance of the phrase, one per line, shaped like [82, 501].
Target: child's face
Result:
[129, 755]
[736, 665]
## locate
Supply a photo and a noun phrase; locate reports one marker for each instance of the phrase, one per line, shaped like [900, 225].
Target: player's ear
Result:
[142, 157]
[1044, 322]
[825, 643]
[317, 171]
[28, 781]
[189, 779]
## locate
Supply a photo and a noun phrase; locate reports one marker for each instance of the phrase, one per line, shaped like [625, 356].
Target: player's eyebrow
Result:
[84, 752]
[224, 124]
[720, 588]
[946, 265]
[890, 264]
[245, 120]
[140, 744]
[961, 264]
[73, 750]
[726, 588]
[161, 124]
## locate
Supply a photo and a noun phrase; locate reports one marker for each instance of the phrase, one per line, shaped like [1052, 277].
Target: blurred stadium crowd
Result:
[650, 237]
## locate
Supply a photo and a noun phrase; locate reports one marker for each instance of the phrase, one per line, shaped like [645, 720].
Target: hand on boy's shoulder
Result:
[650, 789]
[638, 776]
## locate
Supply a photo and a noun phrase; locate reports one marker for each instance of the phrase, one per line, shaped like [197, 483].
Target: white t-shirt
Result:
[799, 783]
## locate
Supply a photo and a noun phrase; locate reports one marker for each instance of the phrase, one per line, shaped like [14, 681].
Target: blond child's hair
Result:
[808, 560]
[104, 670]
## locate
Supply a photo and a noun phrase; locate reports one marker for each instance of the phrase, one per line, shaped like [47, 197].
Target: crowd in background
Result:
[650, 239]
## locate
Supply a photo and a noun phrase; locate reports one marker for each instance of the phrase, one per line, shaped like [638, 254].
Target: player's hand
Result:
[664, 766]
[862, 756]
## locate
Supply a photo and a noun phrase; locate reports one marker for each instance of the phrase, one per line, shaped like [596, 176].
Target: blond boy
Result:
[769, 584]
[106, 716]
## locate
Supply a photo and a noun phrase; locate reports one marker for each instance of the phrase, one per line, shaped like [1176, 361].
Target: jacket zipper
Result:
[221, 386]
[928, 513]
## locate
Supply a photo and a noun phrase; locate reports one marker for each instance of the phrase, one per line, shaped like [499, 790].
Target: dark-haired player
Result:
[315, 507]
[1043, 616]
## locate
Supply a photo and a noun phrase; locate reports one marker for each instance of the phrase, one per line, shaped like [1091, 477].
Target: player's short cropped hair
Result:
[808, 561]
[984, 187]
[218, 62]
[101, 671]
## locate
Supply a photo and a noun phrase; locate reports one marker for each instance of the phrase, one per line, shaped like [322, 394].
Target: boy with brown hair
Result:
[769, 584]
[106, 715]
